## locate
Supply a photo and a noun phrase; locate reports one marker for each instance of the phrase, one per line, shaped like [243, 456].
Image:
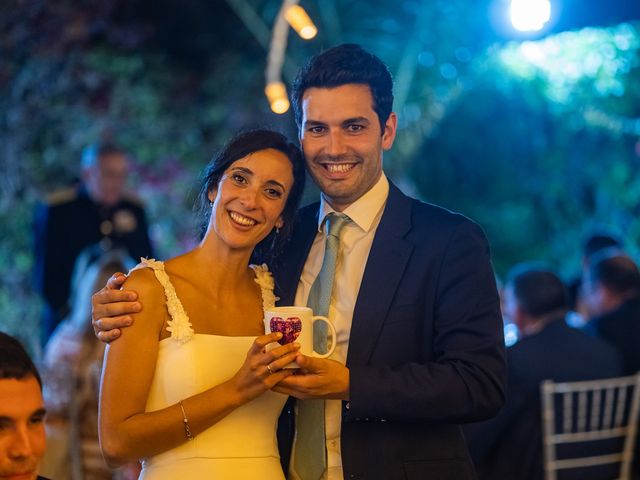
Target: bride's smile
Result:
[250, 197]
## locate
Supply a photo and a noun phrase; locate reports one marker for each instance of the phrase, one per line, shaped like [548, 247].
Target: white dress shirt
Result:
[355, 243]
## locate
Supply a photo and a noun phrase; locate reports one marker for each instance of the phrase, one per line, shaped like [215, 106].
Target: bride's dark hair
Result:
[239, 147]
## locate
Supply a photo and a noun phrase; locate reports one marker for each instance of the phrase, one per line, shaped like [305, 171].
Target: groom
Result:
[419, 330]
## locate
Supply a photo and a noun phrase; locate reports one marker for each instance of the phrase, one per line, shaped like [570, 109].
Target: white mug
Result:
[296, 325]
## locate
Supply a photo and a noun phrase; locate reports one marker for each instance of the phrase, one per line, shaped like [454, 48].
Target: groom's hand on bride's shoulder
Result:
[111, 306]
[316, 378]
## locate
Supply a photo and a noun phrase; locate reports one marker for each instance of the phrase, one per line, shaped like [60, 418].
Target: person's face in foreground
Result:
[22, 435]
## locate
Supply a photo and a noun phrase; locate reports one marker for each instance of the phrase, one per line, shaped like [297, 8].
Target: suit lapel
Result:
[387, 261]
[288, 273]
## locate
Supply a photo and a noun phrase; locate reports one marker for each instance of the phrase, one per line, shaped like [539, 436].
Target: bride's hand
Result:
[263, 369]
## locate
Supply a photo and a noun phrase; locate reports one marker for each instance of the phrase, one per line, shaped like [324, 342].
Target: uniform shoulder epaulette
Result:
[62, 196]
[133, 199]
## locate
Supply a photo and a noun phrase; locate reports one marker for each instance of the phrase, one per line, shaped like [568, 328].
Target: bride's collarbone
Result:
[241, 319]
[235, 313]
[189, 289]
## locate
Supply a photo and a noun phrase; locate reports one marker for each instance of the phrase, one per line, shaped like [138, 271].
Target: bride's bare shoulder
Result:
[144, 281]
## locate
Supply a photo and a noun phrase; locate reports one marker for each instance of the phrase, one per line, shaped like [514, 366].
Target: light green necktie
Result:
[310, 460]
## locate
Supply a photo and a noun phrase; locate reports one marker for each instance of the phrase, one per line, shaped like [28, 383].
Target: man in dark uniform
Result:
[96, 214]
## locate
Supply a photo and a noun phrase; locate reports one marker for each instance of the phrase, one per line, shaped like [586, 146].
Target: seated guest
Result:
[597, 241]
[22, 437]
[510, 445]
[612, 297]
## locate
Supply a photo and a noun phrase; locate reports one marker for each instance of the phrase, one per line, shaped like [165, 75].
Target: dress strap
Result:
[179, 325]
[267, 285]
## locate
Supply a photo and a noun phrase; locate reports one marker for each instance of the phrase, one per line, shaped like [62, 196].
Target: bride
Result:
[187, 388]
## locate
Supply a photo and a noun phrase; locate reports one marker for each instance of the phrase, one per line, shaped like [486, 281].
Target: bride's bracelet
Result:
[185, 420]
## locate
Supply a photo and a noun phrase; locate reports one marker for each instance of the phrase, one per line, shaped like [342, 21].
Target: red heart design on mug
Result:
[289, 327]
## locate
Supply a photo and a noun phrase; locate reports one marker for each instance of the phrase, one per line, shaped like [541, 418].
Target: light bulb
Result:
[276, 93]
[297, 17]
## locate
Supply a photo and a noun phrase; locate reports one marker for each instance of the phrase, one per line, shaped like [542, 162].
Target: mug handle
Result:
[333, 336]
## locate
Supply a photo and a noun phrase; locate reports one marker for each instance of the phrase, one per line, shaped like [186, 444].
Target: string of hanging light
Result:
[292, 15]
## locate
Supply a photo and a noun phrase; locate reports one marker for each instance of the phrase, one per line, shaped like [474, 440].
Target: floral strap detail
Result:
[267, 285]
[179, 325]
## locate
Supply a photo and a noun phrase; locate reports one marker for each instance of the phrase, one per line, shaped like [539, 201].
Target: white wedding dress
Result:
[243, 444]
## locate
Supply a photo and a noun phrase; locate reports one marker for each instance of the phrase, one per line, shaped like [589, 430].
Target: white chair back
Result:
[588, 412]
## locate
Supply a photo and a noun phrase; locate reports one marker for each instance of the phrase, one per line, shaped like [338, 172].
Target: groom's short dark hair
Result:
[343, 65]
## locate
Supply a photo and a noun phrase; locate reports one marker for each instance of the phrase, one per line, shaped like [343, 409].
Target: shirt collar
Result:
[364, 210]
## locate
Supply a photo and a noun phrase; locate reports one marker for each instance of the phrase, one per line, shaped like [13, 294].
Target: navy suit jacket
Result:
[426, 349]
